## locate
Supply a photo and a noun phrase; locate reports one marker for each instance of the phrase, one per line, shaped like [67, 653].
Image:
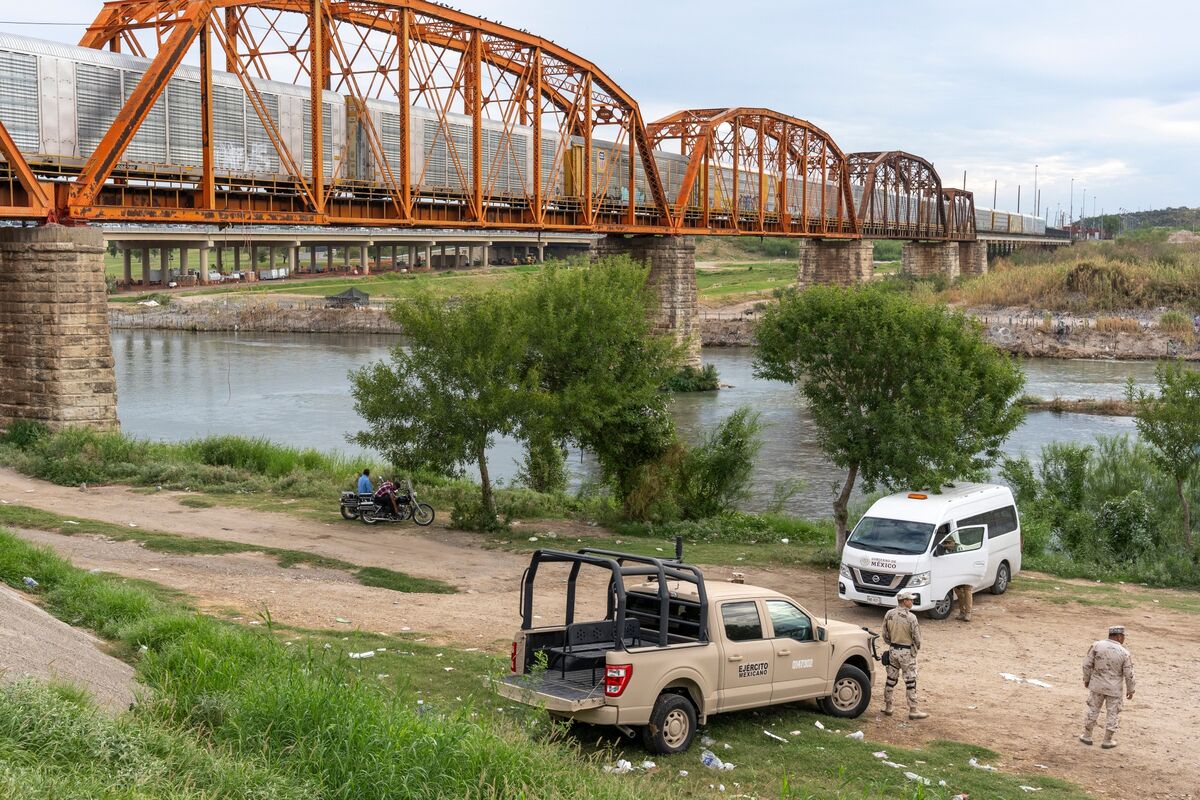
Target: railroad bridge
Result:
[384, 119]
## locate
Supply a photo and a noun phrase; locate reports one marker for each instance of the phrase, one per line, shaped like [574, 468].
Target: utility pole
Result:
[1071, 216]
[1037, 198]
[1018, 198]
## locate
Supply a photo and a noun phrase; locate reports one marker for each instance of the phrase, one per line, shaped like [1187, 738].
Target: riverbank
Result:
[487, 569]
[1028, 333]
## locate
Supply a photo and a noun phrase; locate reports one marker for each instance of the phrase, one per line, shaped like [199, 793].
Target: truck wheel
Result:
[942, 608]
[1003, 576]
[851, 693]
[672, 725]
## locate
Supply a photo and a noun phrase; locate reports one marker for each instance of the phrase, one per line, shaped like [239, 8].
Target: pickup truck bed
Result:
[576, 685]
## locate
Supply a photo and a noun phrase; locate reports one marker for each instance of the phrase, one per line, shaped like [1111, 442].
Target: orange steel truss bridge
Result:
[405, 113]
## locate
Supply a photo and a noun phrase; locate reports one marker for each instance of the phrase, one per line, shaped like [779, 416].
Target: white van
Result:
[927, 543]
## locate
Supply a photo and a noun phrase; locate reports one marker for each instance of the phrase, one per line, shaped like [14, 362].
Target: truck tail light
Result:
[616, 678]
[514, 657]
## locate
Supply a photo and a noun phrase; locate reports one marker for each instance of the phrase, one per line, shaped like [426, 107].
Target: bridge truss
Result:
[480, 91]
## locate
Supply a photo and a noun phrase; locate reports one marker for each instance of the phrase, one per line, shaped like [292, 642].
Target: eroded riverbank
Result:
[1028, 333]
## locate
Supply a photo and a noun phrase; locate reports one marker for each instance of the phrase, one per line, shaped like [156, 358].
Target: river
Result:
[293, 389]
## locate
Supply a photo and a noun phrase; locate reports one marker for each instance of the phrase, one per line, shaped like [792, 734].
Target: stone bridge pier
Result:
[56, 362]
[835, 262]
[672, 262]
[952, 259]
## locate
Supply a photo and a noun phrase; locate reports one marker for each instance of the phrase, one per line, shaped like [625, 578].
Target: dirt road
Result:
[961, 684]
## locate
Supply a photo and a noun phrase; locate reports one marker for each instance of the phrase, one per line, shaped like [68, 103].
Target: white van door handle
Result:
[980, 563]
[783, 652]
[735, 658]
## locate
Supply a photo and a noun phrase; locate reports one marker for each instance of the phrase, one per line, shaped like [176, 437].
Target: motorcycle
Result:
[371, 512]
[350, 503]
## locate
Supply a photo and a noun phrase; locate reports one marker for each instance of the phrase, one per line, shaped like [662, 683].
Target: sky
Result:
[1107, 93]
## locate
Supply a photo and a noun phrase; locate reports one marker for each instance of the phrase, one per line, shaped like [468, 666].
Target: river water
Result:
[293, 389]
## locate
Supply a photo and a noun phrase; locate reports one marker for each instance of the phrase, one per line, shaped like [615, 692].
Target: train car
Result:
[58, 101]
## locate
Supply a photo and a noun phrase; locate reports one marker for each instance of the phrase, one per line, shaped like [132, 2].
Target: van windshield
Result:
[891, 536]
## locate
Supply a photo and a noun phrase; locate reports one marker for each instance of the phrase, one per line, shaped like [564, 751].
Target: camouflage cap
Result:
[1116, 630]
[905, 596]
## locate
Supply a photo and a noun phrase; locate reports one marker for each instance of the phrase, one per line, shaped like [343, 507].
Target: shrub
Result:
[23, 433]
[690, 379]
[715, 474]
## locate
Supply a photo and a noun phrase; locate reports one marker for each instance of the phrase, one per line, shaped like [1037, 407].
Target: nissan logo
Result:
[874, 579]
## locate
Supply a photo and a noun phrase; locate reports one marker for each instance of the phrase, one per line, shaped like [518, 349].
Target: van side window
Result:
[742, 623]
[999, 521]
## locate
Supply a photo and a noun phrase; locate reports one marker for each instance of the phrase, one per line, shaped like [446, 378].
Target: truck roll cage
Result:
[620, 566]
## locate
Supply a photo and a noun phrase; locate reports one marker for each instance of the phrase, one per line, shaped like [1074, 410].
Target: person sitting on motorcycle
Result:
[385, 496]
[364, 483]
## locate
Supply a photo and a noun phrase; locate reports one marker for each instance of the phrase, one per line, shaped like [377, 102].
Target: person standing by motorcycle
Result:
[364, 483]
[385, 495]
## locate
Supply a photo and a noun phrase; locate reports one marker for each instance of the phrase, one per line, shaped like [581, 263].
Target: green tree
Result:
[462, 381]
[901, 394]
[1170, 423]
[599, 364]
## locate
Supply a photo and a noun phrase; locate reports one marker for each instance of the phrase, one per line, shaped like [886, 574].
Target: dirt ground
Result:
[961, 683]
[35, 645]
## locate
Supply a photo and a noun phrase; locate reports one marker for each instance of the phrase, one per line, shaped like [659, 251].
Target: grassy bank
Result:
[271, 712]
[252, 473]
[1091, 277]
[304, 714]
[18, 516]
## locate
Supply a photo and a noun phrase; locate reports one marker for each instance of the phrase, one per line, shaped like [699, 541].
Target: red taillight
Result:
[514, 657]
[616, 678]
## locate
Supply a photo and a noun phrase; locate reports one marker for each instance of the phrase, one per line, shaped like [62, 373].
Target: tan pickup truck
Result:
[673, 649]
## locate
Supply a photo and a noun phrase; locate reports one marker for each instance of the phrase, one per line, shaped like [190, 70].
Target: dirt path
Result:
[961, 665]
[35, 645]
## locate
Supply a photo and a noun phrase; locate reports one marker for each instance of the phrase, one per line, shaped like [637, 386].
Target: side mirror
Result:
[821, 634]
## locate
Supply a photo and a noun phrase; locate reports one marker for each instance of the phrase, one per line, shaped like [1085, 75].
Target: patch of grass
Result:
[55, 744]
[744, 279]
[399, 582]
[1118, 325]
[1090, 277]
[1111, 407]
[19, 516]
[1177, 324]
[196, 502]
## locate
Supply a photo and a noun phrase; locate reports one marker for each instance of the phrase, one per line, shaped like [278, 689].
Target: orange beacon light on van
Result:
[917, 496]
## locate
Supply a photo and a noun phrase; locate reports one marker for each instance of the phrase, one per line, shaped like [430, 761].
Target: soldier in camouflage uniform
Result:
[1108, 663]
[903, 636]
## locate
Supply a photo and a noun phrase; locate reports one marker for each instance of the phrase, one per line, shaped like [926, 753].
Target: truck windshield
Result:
[891, 536]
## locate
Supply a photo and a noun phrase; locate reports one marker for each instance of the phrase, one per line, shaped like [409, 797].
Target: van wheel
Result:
[1003, 576]
[941, 609]
[851, 694]
[672, 725]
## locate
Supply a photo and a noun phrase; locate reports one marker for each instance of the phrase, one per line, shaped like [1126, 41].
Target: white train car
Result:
[58, 101]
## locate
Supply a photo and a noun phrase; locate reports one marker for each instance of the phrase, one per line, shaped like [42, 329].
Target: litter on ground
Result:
[368, 654]
[773, 736]
[1030, 788]
[1008, 676]
[880, 754]
[819, 725]
[912, 776]
[621, 768]
[974, 762]
[857, 736]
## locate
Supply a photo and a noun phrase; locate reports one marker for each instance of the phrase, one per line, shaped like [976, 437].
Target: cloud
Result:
[1101, 92]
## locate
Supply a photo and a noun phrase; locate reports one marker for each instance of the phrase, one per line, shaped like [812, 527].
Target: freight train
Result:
[58, 101]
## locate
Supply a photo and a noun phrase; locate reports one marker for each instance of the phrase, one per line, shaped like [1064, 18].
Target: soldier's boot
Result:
[887, 708]
[1086, 736]
[1108, 743]
[914, 713]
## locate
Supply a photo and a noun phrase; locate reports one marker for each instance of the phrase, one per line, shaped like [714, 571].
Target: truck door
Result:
[749, 656]
[960, 559]
[801, 662]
